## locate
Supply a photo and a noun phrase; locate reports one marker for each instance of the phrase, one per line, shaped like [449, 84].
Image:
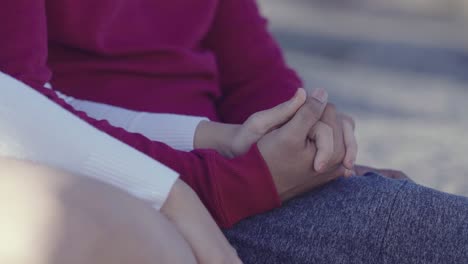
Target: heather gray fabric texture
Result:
[366, 219]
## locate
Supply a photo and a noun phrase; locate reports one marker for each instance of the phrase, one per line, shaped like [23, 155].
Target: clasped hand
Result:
[315, 145]
[305, 141]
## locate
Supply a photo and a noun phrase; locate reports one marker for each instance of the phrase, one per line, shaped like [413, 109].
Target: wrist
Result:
[215, 135]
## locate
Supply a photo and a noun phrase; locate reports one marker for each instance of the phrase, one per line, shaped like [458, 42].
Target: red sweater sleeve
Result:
[232, 189]
[253, 73]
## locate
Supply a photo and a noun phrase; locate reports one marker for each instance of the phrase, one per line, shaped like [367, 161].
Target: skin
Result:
[333, 134]
[305, 142]
[332, 118]
[185, 210]
[290, 152]
[54, 217]
[290, 149]
[78, 220]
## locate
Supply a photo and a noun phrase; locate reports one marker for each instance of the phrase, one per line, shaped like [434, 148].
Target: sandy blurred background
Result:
[399, 67]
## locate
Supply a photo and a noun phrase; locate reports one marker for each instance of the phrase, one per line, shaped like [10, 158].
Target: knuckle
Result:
[324, 134]
[331, 107]
[346, 118]
[351, 144]
[339, 143]
[354, 146]
[327, 129]
[330, 115]
[353, 122]
[255, 125]
[339, 155]
[309, 112]
[252, 119]
[349, 119]
[255, 117]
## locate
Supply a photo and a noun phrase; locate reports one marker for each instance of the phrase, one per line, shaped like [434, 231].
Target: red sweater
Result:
[212, 58]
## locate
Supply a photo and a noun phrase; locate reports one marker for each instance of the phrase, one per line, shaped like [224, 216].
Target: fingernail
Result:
[320, 94]
[295, 97]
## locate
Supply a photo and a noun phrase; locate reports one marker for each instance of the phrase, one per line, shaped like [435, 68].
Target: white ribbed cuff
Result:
[131, 171]
[177, 131]
[57, 138]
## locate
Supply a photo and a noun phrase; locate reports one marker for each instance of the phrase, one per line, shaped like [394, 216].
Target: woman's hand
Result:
[234, 140]
[185, 210]
[263, 122]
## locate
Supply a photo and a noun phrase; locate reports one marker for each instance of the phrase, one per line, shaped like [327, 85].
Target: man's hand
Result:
[345, 146]
[290, 150]
[334, 133]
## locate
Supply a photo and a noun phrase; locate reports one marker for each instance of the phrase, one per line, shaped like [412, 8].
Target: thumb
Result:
[309, 113]
[269, 119]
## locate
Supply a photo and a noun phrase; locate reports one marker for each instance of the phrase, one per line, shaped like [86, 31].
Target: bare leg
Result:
[52, 217]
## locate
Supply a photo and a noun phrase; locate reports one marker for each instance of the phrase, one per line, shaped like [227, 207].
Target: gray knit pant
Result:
[366, 219]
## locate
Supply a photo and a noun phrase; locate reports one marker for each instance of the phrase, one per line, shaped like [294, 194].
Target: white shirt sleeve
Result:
[34, 128]
[177, 131]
